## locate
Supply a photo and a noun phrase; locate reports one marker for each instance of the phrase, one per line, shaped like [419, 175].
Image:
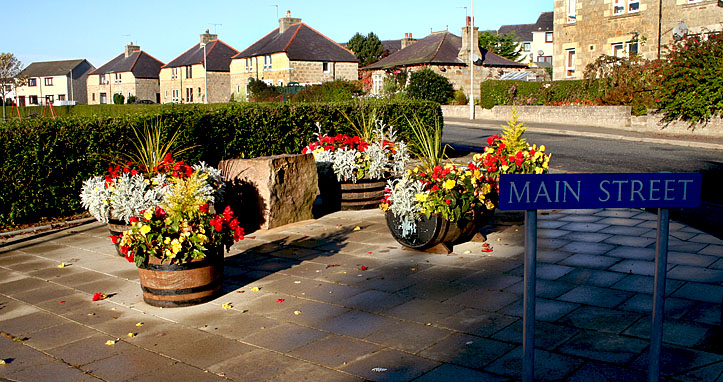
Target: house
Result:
[54, 82]
[536, 40]
[199, 75]
[131, 73]
[294, 52]
[445, 54]
[586, 29]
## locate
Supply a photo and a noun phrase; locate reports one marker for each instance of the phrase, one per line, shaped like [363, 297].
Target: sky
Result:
[98, 30]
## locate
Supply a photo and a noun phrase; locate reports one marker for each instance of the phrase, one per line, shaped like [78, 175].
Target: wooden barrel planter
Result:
[116, 228]
[363, 195]
[438, 231]
[177, 285]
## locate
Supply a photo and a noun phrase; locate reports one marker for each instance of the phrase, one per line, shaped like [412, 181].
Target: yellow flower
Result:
[175, 246]
[167, 240]
[148, 214]
[539, 170]
[384, 206]
[416, 170]
[542, 148]
[468, 173]
[202, 237]
[421, 197]
[449, 184]
[145, 229]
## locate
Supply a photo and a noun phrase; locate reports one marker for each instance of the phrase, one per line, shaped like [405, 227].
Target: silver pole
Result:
[205, 76]
[528, 330]
[471, 62]
[661, 262]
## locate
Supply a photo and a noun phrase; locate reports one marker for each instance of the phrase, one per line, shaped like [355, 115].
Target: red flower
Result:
[98, 296]
[203, 208]
[133, 219]
[114, 239]
[130, 257]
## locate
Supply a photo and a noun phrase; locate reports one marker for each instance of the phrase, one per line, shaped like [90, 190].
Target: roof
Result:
[523, 32]
[51, 68]
[392, 46]
[218, 57]
[140, 63]
[437, 49]
[300, 43]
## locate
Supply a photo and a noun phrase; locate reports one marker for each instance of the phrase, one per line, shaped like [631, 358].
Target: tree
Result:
[428, 85]
[9, 68]
[368, 49]
[691, 80]
[505, 45]
[622, 81]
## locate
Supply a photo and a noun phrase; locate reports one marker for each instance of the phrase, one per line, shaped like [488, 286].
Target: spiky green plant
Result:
[427, 145]
[151, 148]
[512, 134]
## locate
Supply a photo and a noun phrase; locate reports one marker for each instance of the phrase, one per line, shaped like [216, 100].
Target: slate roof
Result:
[437, 49]
[51, 68]
[218, 57]
[523, 32]
[300, 43]
[140, 63]
[392, 46]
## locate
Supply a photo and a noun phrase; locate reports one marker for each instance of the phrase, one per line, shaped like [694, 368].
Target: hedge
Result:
[495, 92]
[43, 162]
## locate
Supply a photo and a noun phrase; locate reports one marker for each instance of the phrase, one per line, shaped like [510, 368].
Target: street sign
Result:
[532, 192]
[574, 191]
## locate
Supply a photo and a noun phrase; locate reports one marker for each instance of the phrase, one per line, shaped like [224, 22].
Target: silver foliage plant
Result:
[132, 194]
[403, 203]
[96, 198]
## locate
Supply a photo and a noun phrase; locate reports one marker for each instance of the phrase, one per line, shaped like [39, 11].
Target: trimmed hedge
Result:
[495, 92]
[43, 162]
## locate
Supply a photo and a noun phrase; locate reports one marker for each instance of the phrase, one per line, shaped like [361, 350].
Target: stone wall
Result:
[218, 85]
[147, 88]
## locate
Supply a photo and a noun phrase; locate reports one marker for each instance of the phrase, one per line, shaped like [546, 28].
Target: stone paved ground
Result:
[409, 316]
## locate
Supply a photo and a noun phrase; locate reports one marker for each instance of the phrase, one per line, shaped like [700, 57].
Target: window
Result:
[571, 11]
[249, 65]
[547, 59]
[325, 67]
[633, 6]
[189, 94]
[33, 100]
[118, 78]
[632, 48]
[48, 81]
[174, 73]
[103, 99]
[48, 99]
[622, 6]
[618, 50]
[174, 95]
[93, 97]
[694, 1]
[32, 82]
[548, 36]
[267, 62]
[102, 80]
[189, 71]
[61, 97]
[570, 62]
[526, 46]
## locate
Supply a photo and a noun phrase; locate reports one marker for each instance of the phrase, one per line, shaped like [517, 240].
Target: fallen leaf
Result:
[357, 228]
[297, 282]
[467, 252]
[485, 245]
[414, 269]
[91, 314]
[62, 301]
[245, 311]
[363, 267]
[332, 265]
[131, 335]
[255, 289]
[297, 312]
[139, 324]
[2, 361]
[61, 265]
[379, 369]
[370, 252]
[280, 300]
[499, 239]
[250, 237]
[110, 342]
[469, 342]
[99, 296]
[227, 305]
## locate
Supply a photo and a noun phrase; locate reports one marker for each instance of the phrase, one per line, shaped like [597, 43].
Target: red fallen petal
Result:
[364, 268]
[486, 249]
[370, 252]
[96, 296]
[280, 300]
[485, 245]
[62, 301]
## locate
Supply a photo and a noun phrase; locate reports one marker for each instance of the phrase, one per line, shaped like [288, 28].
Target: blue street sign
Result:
[574, 191]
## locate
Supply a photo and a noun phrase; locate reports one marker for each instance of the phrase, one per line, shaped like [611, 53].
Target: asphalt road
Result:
[592, 154]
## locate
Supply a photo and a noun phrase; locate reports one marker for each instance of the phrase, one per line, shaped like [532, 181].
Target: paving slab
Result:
[467, 350]
[604, 347]
[390, 365]
[548, 366]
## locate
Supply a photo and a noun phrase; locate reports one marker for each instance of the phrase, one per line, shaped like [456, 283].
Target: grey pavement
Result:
[337, 299]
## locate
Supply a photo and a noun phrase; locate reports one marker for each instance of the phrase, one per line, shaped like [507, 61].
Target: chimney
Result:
[463, 54]
[130, 48]
[286, 22]
[207, 37]
[408, 40]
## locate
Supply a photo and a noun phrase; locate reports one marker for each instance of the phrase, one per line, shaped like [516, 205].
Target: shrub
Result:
[132, 99]
[430, 86]
[495, 92]
[622, 81]
[332, 91]
[261, 91]
[691, 79]
[43, 162]
[460, 98]
[118, 99]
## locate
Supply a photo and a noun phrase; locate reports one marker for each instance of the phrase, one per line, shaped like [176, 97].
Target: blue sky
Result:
[44, 30]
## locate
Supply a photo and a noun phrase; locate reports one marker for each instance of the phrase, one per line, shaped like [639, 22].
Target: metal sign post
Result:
[575, 191]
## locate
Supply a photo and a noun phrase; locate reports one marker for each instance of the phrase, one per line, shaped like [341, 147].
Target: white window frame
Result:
[526, 46]
[549, 37]
[118, 78]
[175, 96]
[629, 45]
[617, 49]
[174, 73]
[267, 63]
[571, 11]
[621, 7]
[326, 67]
[189, 95]
[32, 82]
[189, 71]
[48, 81]
[570, 62]
[630, 4]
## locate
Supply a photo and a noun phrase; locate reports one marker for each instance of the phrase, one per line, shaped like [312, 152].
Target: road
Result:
[593, 154]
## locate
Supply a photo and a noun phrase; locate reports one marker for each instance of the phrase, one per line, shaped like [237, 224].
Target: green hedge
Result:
[495, 92]
[43, 162]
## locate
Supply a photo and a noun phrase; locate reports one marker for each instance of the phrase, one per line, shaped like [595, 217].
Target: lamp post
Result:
[205, 75]
[471, 62]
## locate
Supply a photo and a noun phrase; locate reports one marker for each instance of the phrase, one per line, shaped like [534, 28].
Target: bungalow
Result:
[132, 73]
[293, 52]
[200, 74]
[445, 54]
[54, 82]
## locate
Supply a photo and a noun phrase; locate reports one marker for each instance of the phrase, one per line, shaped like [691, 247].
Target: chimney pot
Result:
[286, 22]
[288, 13]
[469, 20]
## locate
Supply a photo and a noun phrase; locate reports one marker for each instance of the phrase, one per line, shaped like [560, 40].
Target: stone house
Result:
[536, 40]
[445, 54]
[586, 29]
[54, 82]
[185, 79]
[131, 73]
[294, 52]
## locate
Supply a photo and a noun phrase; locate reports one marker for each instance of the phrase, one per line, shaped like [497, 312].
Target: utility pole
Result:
[472, 44]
